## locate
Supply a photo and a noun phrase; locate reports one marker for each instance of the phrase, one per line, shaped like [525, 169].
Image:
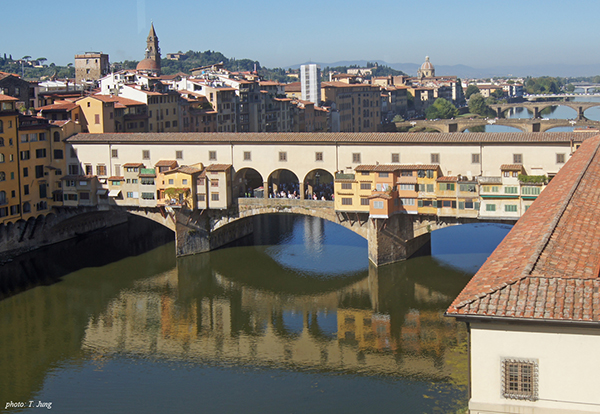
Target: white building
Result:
[310, 82]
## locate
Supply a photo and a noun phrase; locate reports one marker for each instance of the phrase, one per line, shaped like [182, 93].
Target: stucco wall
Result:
[568, 362]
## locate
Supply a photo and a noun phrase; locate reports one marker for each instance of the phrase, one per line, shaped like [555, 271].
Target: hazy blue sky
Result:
[477, 33]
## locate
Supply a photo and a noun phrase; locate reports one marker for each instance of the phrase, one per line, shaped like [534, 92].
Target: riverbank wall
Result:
[58, 226]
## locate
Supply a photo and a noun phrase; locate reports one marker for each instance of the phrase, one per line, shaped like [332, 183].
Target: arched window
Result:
[26, 207]
[1, 127]
[2, 197]
[1, 142]
[56, 136]
[2, 176]
[2, 157]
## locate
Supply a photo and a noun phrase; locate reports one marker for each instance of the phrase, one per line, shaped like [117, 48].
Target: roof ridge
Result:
[534, 258]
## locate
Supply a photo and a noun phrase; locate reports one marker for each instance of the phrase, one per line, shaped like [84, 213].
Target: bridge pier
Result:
[396, 238]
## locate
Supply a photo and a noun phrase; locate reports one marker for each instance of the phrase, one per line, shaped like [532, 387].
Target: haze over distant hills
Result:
[463, 71]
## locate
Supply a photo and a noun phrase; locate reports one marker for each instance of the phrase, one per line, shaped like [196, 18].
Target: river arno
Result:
[296, 322]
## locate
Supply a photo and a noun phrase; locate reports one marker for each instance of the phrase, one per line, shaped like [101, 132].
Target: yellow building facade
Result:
[10, 200]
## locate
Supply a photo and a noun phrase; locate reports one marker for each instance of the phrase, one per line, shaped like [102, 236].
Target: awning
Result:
[102, 191]
[114, 193]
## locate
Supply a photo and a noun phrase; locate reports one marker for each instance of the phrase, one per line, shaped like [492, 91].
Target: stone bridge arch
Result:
[248, 208]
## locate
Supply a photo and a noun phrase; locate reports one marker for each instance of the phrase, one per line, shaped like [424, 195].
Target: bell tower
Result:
[152, 49]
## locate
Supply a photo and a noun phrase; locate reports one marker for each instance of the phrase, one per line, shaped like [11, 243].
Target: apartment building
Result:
[310, 83]
[214, 187]
[41, 164]
[383, 190]
[10, 194]
[358, 105]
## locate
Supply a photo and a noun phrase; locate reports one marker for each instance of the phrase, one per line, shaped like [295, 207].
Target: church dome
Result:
[427, 64]
[148, 65]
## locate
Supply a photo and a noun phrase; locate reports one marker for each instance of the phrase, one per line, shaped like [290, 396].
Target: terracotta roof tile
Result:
[218, 167]
[337, 137]
[165, 163]
[511, 167]
[548, 266]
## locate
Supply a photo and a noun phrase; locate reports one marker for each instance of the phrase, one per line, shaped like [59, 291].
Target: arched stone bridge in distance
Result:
[525, 125]
[537, 107]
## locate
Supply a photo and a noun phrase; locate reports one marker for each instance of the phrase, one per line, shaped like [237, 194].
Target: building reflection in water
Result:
[377, 322]
[235, 307]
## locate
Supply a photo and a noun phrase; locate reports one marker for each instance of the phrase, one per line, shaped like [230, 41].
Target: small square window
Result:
[474, 158]
[214, 196]
[560, 158]
[435, 158]
[520, 379]
[179, 155]
[282, 156]
[114, 153]
[356, 158]
[247, 156]
[517, 158]
[318, 156]
[395, 158]
[146, 154]
[212, 155]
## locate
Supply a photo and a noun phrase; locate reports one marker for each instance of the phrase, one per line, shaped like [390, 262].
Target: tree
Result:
[441, 108]
[477, 105]
[471, 89]
[570, 88]
[498, 94]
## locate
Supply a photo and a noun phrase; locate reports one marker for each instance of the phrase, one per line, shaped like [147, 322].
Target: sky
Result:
[477, 33]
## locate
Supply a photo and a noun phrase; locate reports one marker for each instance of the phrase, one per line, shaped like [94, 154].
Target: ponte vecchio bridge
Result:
[263, 159]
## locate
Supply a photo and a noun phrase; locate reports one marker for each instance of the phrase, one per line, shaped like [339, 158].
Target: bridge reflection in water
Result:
[241, 307]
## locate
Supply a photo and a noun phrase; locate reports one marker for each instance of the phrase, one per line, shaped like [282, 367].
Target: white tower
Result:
[310, 82]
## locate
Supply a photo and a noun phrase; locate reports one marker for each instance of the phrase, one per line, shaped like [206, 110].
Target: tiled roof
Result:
[116, 178]
[62, 106]
[448, 178]
[396, 167]
[335, 137]
[511, 167]
[547, 267]
[7, 98]
[133, 165]
[218, 167]
[186, 169]
[165, 163]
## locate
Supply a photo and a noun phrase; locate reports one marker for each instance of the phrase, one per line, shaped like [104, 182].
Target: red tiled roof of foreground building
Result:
[547, 267]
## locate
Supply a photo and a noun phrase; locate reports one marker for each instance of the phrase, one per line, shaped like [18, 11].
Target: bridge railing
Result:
[284, 202]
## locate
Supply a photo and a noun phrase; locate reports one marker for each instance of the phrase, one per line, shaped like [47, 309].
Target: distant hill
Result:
[463, 71]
